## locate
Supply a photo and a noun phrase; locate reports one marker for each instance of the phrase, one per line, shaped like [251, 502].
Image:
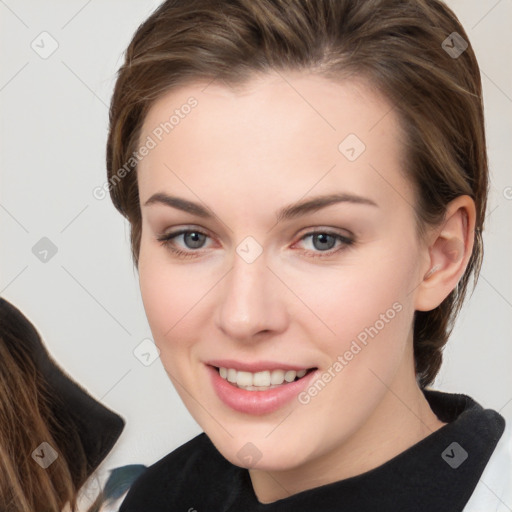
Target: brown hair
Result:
[27, 420]
[40, 403]
[401, 47]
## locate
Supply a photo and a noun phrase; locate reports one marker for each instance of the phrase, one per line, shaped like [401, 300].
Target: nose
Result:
[251, 302]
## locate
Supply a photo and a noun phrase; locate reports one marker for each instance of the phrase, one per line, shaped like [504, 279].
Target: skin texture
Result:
[245, 154]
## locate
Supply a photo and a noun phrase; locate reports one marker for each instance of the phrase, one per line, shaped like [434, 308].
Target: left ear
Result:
[450, 247]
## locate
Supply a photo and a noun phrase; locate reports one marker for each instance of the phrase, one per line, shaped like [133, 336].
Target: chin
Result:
[256, 452]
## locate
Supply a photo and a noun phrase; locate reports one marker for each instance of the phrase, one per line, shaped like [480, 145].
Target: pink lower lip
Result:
[256, 402]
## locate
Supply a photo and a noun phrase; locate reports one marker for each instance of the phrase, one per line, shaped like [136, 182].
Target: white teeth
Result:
[290, 375]
[244, 379]
[277, 377]
[260, 381]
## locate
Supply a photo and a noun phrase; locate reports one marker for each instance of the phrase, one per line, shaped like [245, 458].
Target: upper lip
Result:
[255, 366]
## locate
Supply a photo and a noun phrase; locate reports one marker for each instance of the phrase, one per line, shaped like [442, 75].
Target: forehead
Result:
[278, 129]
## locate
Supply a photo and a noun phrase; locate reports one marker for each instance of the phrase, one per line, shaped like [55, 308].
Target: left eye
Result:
[324, 241]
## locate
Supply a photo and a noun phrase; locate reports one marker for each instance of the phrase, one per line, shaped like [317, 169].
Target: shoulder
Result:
[173, 480]
[493, 491]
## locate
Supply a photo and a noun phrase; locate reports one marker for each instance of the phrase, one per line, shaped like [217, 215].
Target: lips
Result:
[255, 366]
[244, 396]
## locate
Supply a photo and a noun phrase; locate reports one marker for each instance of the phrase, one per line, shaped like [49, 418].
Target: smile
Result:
[261, 391]
[260, 381]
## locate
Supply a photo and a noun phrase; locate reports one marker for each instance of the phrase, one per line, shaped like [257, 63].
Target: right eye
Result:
[192, 239]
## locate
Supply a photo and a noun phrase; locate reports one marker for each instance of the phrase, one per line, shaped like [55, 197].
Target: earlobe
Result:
[450, 248]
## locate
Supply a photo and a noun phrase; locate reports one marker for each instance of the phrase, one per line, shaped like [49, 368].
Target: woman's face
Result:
[264, 289]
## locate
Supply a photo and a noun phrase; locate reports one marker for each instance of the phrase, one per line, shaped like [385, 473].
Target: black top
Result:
[439, 473]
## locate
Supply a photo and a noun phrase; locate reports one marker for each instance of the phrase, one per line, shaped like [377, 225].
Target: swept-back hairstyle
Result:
[405, 49]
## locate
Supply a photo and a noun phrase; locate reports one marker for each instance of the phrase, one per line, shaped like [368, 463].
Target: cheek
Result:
[370, 309]
[177, 303]
[168, 295]
[359, 297]
[371, 329]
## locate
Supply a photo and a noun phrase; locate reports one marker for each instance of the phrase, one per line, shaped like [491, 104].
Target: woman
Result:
[53, 434]
[306, 184]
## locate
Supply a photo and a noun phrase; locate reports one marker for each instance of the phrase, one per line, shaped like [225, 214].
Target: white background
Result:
[85, 300]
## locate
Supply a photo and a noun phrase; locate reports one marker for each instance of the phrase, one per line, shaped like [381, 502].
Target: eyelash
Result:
[167, 239]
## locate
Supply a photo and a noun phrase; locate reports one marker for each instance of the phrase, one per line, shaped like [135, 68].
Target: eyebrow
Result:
[289, 212]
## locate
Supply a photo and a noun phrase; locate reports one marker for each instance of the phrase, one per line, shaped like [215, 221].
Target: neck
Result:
[402, 419]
